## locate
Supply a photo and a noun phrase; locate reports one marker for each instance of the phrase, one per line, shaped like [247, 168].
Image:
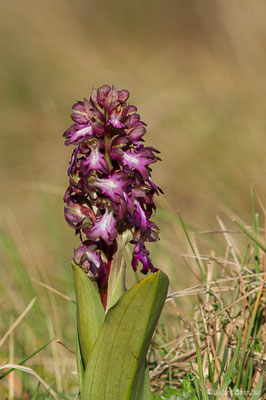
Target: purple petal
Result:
[123, 95]
[155, 187]
[73, 162]
[138, 192]
[77, 133]
[78, 213]
[95, 161]
[113, 186]
[102, 93]
[141, 254]
[136, 131]
[138, 159]
[135, 160]
[117, 114]
[132, 120]
[104, 227]
[110, 98]
[80, 112]
[88, 258]
[131, 109]
[139, 218]
[76, 179]
[152, 233]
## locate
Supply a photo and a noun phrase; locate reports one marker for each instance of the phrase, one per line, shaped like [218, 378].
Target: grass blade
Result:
[255, 218]
[249, 234]
[203, 275]
[31, 372]
[17, 321]
[27, 358]
[229, 373]
[257, 392]
[48, 390]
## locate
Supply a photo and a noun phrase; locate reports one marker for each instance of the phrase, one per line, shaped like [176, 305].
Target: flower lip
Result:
[141, 254]
[87, 256]
[112, 186]
[77, 133]
[104, 227]
[138, 158]
[95, 161]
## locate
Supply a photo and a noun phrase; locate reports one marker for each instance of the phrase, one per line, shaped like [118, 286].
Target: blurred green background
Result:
[195, 69]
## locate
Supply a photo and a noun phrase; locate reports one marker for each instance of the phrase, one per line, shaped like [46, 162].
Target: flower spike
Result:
[110, 187]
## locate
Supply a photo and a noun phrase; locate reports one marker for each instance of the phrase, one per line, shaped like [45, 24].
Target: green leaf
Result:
[147, 394]
[187, 387]
[116, 367]
[186, 392]
[257, 392]
[230, 370]
[90, 312]
[80, 366]
[201, 376]
[116, 280]
[171, 394]
[240, 396]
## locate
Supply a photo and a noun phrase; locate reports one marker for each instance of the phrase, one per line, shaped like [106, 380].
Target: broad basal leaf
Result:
[116, 367]
[90, 312]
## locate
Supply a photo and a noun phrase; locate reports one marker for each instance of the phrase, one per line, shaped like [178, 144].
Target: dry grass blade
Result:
[11, 383]
[235, 302]
[207, 258]
[184, 293]
[56, 358]
[65, 346]
[217, 231]
[53, 290]
[31, 372]
[199, 289]
[18, 320]
[229, 241]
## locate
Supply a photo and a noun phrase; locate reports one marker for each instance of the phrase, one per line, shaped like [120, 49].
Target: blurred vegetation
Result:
[196, 71]
[219, 352]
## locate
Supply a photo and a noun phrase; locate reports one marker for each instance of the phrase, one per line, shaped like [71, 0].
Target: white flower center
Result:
[131, 158]
[84, 131]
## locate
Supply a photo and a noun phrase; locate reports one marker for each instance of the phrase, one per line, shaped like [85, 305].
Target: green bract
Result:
[113, 349]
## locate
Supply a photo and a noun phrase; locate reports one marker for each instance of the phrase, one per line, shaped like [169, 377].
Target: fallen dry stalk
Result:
[17, 321]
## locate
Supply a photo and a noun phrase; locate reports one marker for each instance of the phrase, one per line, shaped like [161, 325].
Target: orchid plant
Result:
[109, 203]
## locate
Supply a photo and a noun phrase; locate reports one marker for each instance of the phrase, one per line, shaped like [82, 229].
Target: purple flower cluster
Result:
[110, 186]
